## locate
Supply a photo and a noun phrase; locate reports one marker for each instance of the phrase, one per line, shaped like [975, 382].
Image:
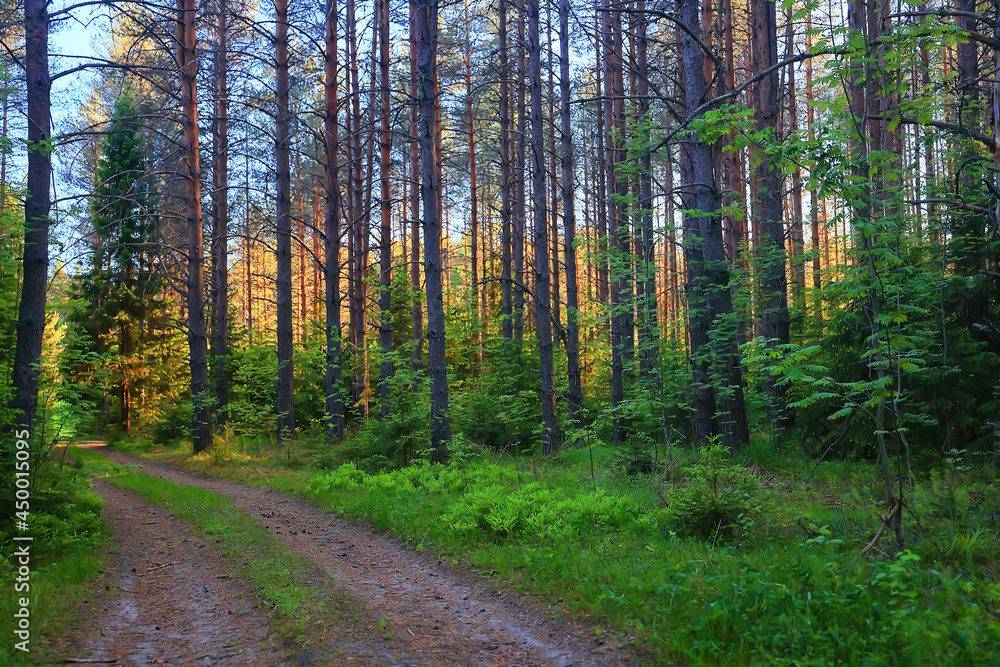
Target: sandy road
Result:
[434, 614]
[171, 599]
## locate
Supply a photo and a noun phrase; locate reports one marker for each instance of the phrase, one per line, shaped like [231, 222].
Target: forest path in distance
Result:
[437, 615]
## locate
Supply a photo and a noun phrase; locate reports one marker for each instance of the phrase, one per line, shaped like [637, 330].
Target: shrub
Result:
[492, 502]
[174, 424]
[717, 500]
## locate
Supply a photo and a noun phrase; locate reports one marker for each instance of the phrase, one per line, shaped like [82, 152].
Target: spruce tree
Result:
[120, 295]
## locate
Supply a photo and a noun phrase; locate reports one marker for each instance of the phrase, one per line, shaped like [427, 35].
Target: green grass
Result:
[56, 590]
[788, 586]
[778, 592]
[67, 554]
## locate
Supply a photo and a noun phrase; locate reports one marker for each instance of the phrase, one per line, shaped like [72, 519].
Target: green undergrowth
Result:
[56, 590]
[66, 551]
[706, 569]
[707, 559]
[306, 615]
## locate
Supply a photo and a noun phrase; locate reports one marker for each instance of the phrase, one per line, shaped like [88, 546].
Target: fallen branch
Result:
[881, 529]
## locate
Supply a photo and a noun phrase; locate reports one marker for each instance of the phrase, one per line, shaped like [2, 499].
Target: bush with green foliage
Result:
[717, 499]
[607, 549]
[494, 502]
[173, 424]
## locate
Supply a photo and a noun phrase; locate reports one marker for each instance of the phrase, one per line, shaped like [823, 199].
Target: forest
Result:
[675, 318]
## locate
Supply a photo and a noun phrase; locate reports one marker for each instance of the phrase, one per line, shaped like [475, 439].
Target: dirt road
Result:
[170, 599]
[435, 614]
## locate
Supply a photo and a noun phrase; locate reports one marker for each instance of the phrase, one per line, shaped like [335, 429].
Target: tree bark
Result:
[967, 61]
[574, 390]
[417, 305]
[861, 22]
[426, 21]
[37, 204]
[795, 232]
[477, 325]
[220, 211]
[303, 312]
[774, 319]
[543, 321]
[385, 207]
[358, 235]
[201, 428]
[283, 215]
[649, 331]
[813, 193]
[520, 203]
[506, 183]
[613, 121]
[735, 226]
[601, 200]
[334, 404]
[248, 247]
[709, 298]
[554, 188]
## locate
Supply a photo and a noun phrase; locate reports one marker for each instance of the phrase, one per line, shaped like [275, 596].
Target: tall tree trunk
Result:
[968, 69]
[283, 215]
[735, 225]
[929, 153]
[671, 268]
[477, 325]
[774, 319]
[358, 234]
[317, 226]
[543, 321]
[796, 233]
[201, 428]
[862, 81]
[613, 107]
[554, 187]
[248, 246]
[506, 252]
[426, 20]
[813, 193]
[601, 149]
[220, 210]
[37, 203]
[709, 298]
[574, 390]
[692, 153]
[417, 306]
[520, 203]
[649, 332]
[303, 314]
[334, 404]
[602, 20]
[385, 205]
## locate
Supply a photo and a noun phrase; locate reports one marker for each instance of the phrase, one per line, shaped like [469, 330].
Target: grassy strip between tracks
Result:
[310, 618]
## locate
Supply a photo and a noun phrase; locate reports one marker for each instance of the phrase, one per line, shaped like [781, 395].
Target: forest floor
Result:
[171, 600]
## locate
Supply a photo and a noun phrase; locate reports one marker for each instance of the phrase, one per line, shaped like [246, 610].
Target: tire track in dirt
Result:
[437, 615]
[171, 599]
